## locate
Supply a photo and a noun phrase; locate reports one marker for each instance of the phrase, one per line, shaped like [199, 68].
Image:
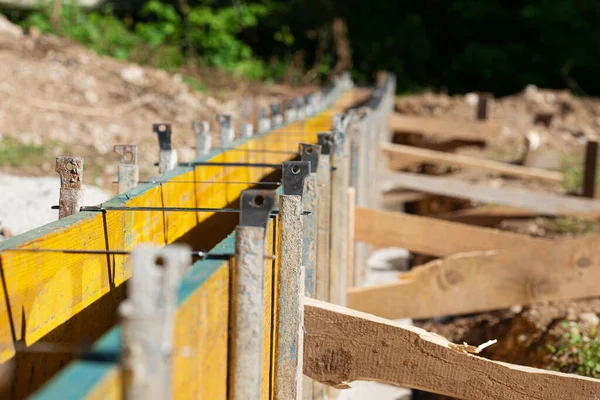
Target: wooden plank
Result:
[434, 237]
[470, 162]
[390, 199]
[486, 215]
[342, 346]
[445, 128]
[543, 203]
[199, 371]
[481, 281]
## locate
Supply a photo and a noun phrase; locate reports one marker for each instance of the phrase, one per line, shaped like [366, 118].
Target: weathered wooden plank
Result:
[434, 237]
[481, 281]
[549, 204]
[416, 153]
[486, 215]
[445, 128]
[342, 346]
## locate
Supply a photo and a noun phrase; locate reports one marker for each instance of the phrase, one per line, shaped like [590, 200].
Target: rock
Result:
[133, 74]
[8, 30]
[589, 318]
[472, 99]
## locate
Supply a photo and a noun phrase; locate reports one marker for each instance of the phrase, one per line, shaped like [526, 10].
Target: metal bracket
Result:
[227, 131]
[164, 135]
[128, 170]
[256, 207]
[203, 138]
[148, 317]
[293, 174]
[310, 152]
[70, 170]
[167, 157]
[326, 140]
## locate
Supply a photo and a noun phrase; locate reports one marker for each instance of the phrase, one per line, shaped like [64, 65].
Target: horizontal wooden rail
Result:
[343, 345]
[543, 203]
[414, 153]
[445, 128]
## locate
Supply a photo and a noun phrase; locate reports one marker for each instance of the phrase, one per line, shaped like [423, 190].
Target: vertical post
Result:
[247, 130]
[309, 153]
[276, 116]
[483, 106]
[308, 106]
[300, 111]
[591, 162]
[351, 227]
[290, 297]
[167, 157]
[227, 133]
[203, 138]
[70, 170]
[340, 180]
[147, 317]
[129, 173]
[264, 123]
[290, 113]
[248, 296]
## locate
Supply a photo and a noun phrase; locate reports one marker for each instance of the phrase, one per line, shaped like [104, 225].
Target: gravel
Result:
[25, 202]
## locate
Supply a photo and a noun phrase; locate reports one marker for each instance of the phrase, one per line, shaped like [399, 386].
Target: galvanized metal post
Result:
[129, 173]
[309, 153]
[290, 113]
[70, 170]
[227, 131]
[167, 157]
[340, 180]
[276, 115]
[248, 296]
[300, 111]
[148, 317]
[203, 138]
[264, 123]
[290, 296]
[247, 130]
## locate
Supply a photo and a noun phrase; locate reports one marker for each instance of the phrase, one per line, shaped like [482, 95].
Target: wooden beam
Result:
[445, 128]
[471, 162]
[342, 346]
[486, 215]
[549, 204]
[432, 236]
[482, 281]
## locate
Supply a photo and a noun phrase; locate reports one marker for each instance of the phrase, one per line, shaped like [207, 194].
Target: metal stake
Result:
[129, 173]
[148, 317]
[167, 157]
[70, 170]
[248, 293]
[227, 131]
[203, 138]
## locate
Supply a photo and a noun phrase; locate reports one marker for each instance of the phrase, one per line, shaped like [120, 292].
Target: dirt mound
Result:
[62, 98]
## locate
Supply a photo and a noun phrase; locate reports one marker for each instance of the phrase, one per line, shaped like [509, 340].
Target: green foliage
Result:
[16, 154]
[577, 351]
[570, 225]
[163, 36]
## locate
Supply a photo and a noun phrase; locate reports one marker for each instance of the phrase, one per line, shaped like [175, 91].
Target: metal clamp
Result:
[293, 174]
[203, 138]
[276, 114]
[310, 152]
[264, 123]
[129, 173]
[167, 157]
[148, 317]
[70, 170]
[327, 141]
[256, 207]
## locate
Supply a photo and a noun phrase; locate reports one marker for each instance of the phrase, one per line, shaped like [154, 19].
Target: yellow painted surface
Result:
[267, 363]
[45, 290]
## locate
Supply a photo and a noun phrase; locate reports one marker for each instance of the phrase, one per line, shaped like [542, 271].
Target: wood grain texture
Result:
[444, 128]
[487, 280]
[342, 346]
[549, 204]
[421, 155]
[434, 237]
[486, 215]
